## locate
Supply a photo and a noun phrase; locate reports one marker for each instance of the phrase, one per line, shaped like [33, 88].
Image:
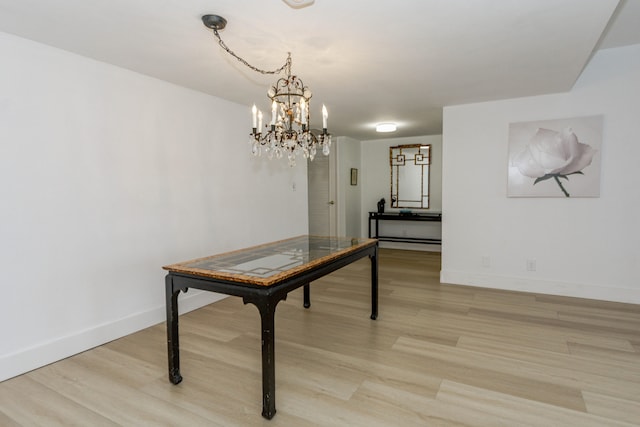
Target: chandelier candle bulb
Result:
[254, 112]
[259, 121]
[324, 117]
[274, 109]
[303, 113]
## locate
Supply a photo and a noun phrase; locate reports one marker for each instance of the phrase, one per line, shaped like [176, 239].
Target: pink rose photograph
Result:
[555, 158]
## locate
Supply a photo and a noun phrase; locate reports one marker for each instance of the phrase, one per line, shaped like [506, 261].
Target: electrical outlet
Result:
[531, 265]
[486, 261]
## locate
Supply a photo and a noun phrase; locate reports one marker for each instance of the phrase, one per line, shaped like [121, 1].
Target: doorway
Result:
[321, 185]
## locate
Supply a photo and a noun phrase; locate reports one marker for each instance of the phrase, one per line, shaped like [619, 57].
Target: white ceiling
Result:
[367, 60]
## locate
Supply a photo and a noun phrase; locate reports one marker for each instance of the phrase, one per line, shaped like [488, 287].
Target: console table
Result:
[376, 217]
[263, 276]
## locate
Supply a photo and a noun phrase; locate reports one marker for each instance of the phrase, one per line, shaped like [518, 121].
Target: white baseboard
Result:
[538, 286]
[42, 354]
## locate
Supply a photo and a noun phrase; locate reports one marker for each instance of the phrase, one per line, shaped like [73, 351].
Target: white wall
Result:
[350, 216]
[106, 176]
[587, 247]
[376, 184]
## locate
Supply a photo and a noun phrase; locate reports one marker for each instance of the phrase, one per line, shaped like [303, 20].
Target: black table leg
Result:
[268, 364]
[307, 297]
[173, 345]
[374, 284]
[267, 308]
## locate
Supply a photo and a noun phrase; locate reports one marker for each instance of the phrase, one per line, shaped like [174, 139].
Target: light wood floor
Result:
[438, 355]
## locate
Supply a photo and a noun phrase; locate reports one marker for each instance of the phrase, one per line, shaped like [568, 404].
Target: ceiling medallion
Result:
[298, 4]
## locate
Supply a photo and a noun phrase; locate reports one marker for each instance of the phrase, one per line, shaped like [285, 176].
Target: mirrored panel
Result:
[410, 166]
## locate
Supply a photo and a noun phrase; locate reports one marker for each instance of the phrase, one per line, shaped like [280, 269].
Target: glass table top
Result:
[267, 264]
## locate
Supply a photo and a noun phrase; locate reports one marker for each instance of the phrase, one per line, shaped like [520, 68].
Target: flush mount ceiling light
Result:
[386, 127]
[288, 131]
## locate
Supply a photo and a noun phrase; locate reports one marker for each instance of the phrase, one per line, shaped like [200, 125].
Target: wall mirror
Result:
[410, 166]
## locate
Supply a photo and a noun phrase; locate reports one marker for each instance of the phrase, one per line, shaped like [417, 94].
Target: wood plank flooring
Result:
[438, 355]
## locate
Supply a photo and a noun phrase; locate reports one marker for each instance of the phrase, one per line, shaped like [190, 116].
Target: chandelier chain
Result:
[286, 66]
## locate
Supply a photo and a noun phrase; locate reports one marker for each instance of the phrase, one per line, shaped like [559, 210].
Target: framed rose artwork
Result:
[555, 158]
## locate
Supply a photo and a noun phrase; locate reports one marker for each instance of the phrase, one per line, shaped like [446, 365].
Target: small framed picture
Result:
[354, 176]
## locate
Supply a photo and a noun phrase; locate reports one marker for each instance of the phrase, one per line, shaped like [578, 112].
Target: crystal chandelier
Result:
[288, 131]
